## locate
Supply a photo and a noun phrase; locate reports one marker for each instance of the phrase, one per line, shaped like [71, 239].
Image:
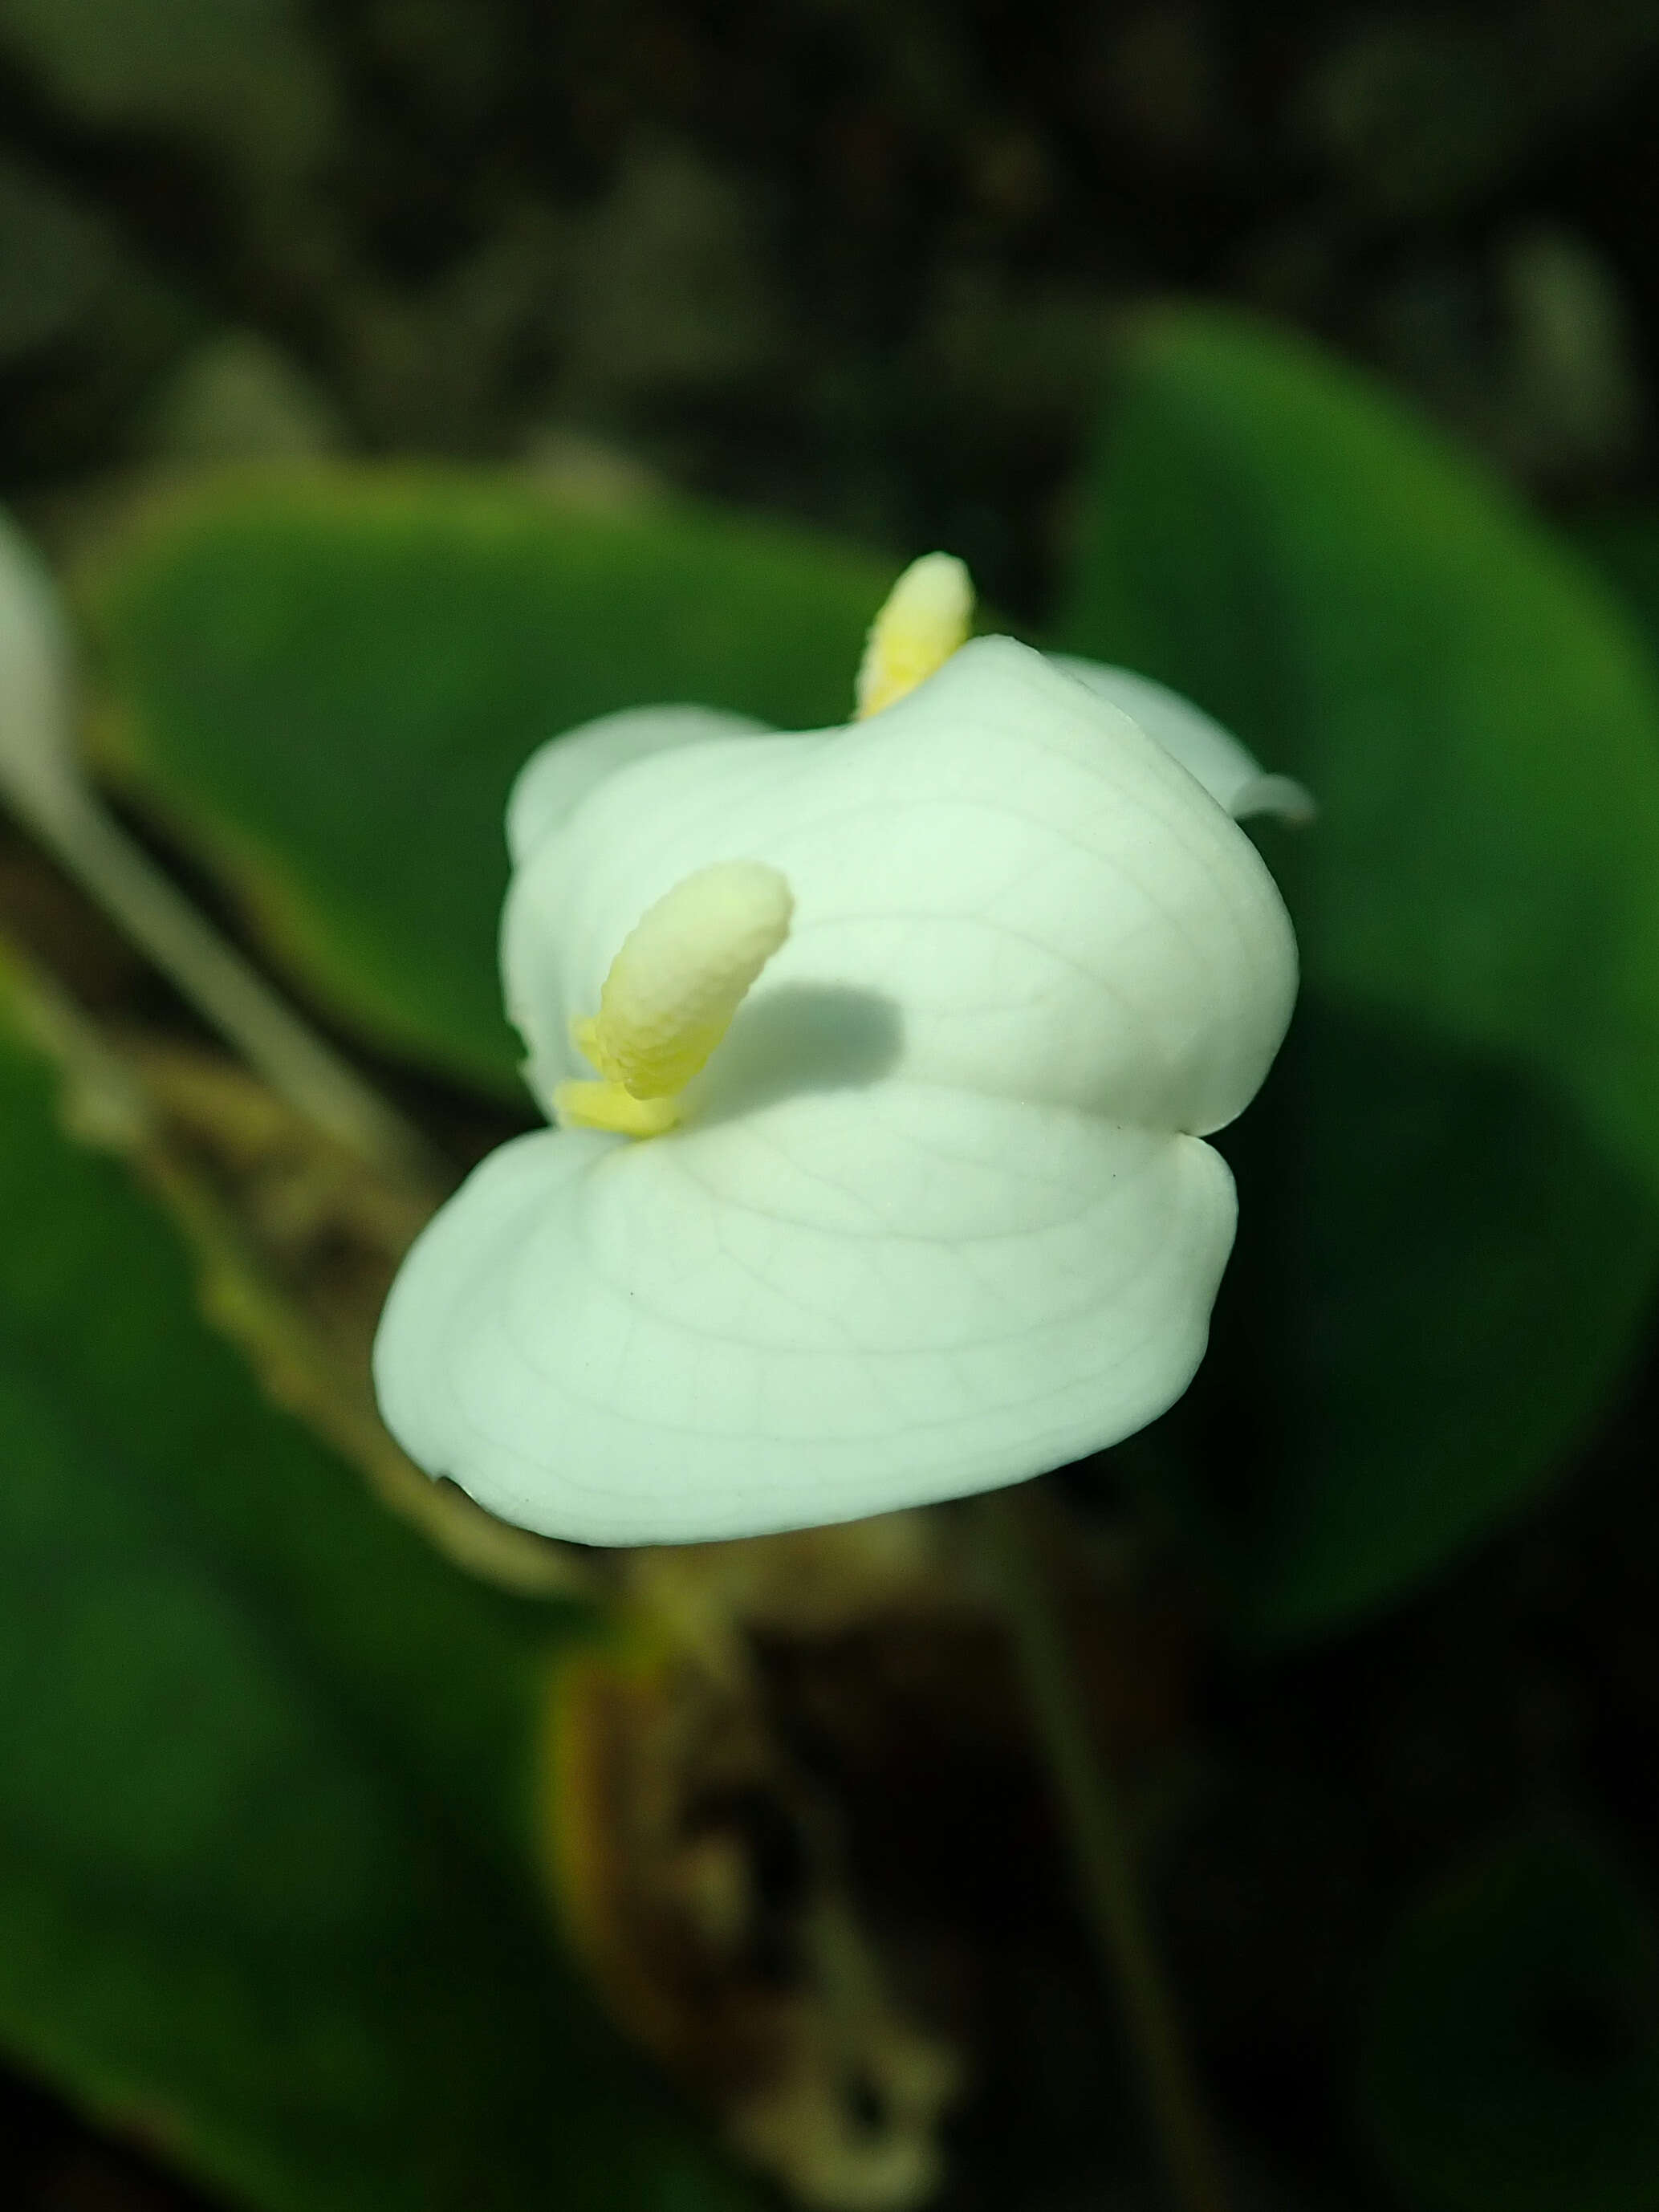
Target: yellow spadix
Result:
[682, 973]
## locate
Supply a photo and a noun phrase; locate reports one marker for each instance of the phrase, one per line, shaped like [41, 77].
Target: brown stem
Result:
[1101, 1857]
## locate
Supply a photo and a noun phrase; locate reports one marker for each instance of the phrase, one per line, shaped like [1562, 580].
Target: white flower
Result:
[935, 1214]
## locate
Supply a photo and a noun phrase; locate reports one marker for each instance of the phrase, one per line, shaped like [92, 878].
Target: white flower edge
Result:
[1004, 831]
[1232, 776]
[642, 1346]
[939, 1216]
[561, 773]
[558, 775]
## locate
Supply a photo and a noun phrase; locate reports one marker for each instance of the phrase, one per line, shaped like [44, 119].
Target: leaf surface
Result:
[1449, 1191]
[327, 686]
[264, 1808]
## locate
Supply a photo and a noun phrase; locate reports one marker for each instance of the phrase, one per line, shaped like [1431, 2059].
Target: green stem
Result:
[1101, 1856]
[225, 990]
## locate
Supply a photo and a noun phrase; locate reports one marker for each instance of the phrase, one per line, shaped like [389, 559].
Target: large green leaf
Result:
[264, 1893]
[1512, 2062]
[328, 685]
[1624, 546]
[1450, 1192]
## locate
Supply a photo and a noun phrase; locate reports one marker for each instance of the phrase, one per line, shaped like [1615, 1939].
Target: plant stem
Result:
[43, 782]
[225, 990]
[1102, 1860]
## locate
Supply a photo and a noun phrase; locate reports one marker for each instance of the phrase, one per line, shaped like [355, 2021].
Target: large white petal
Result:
[1047, 905]
[859, 1297]
[1232, 776]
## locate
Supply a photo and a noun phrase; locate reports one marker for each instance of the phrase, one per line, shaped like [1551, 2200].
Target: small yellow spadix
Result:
[926, 617]
[682, 971]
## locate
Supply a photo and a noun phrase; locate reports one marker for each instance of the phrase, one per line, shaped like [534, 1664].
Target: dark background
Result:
[855, 259]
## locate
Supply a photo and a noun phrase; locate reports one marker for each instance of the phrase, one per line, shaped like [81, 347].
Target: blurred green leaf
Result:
[265, 1887]
[1625, 547]
[1450, 1215]
[329, 686]
[1513, 2058]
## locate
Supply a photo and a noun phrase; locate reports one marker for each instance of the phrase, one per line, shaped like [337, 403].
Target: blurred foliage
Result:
[1450, 1212]
[854, 262]
[329, 686]
[247, 79]
[1513, 2059]
[265, 1897]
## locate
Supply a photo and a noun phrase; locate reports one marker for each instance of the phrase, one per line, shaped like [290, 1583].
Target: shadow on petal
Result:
[799, 1037]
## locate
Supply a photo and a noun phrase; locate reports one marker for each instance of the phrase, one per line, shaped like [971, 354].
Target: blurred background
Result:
[854, 262]
[863, 266]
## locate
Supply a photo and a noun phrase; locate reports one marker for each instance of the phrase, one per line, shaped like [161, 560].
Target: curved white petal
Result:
[865, 1295]
[1039, 900]
[559, 775]
[1232, 776]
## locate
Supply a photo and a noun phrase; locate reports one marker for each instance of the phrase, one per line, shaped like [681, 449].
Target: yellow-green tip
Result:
[927, 615]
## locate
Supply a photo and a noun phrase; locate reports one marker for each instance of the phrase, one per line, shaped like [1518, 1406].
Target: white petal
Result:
[559, 775]
[1004, 868]
[851, 1299]
[1230, 775]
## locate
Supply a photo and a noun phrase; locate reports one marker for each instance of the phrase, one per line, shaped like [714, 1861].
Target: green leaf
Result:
[1625, 547]
[1512, 2058]
[265, 1887]
[328, 686]
[1450, 1192]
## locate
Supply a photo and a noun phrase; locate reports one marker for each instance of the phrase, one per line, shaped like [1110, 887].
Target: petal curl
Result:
[1057, 909]
[558, 775]
[1232, 776]
[850, 1299]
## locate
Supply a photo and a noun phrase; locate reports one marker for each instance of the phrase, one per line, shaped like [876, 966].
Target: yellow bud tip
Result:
[927, 615]
[682, 971]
